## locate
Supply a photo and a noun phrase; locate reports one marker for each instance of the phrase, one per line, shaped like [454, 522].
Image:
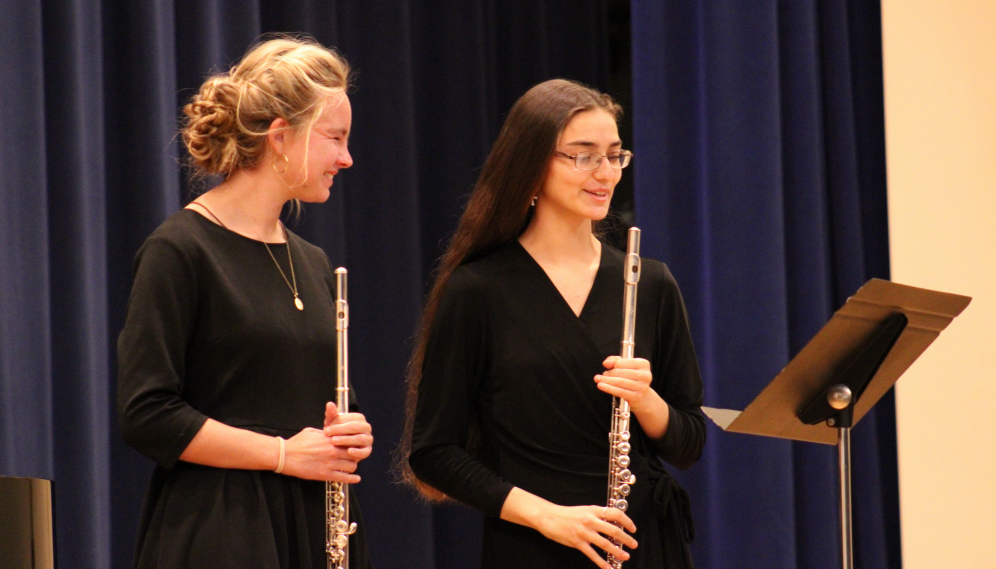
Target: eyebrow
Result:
[337, 131]
[588, 144]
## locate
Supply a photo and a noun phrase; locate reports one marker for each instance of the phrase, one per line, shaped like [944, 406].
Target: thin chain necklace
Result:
[297, 300]
[290, 261]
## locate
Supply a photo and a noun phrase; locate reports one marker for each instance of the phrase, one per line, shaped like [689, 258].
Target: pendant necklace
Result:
[290, 261]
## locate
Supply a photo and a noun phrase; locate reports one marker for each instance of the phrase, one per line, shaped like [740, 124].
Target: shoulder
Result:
[311, 253]
[655, 276]
[658, 273]
[656, 279]
[652, 271]
[178, 239]
[467, 280]
[490, 268]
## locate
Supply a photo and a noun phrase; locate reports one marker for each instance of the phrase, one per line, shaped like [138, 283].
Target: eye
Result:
[585, 159]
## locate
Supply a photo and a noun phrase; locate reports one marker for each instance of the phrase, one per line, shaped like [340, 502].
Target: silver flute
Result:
[337, 526]
[620, 477]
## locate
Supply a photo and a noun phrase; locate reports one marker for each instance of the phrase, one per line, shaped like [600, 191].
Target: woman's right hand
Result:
[311, 455]
[580, 527]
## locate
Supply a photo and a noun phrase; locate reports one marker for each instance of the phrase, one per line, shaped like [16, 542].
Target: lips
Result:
[328, 175]
[598, 194]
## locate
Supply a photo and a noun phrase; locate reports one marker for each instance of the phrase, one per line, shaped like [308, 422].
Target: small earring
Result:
[534, 201]
[286, 163]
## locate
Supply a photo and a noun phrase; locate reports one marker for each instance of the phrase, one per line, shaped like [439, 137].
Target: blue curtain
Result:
[90, 94]
[760, 180]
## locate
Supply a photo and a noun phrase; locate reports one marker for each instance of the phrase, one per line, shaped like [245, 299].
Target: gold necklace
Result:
[290, 261]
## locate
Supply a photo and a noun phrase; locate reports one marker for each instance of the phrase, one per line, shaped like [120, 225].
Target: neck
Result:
[557, 239]
[249, 202]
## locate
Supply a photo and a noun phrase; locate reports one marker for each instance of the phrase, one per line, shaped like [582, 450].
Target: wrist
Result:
[281, 455]
[653, 415]
[649, 403]
[526, 509]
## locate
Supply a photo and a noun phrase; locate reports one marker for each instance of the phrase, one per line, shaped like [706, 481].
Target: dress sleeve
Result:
[452, 371]
[161, 312]
[678, 381]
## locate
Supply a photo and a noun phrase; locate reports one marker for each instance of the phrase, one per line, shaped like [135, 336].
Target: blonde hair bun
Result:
[227, 121]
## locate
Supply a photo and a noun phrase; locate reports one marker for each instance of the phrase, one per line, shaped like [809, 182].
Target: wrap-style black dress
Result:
[506, 354]
[212, 331]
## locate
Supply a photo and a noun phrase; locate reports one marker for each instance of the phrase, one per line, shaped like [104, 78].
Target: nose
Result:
[345, 160]
[605, 171]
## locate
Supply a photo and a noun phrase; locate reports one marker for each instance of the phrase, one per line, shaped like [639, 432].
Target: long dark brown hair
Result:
[498, 212]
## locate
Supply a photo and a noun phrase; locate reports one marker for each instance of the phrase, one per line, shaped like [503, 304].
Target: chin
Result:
[599, 214]
[318, 196]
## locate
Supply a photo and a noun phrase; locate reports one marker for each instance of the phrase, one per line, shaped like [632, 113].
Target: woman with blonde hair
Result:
[511, 385]
[227, 355]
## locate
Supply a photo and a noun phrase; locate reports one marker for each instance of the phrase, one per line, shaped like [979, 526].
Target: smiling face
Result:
[314, 157]
[582, 194]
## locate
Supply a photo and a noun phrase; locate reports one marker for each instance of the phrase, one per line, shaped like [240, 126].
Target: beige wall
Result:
[940, 108]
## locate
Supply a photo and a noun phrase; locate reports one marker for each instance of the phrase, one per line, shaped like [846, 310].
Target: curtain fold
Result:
[760, 180]
[77, 260]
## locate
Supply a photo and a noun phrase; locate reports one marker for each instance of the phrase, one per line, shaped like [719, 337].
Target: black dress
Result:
[507, 353]
[212, 331]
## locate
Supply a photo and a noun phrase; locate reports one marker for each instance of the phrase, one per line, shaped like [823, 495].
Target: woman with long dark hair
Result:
[511, 383]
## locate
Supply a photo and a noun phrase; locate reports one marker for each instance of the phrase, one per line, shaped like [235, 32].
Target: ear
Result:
[276, 135]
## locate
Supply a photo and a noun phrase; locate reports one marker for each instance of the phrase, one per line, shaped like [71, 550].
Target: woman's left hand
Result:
[629, 379]
[350, 431]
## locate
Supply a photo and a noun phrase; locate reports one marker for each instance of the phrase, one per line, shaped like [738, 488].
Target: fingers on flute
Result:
[331, 413]
[338, 476]
[616, 362]
[352, 440]
[595, 557]
[349, 424]
[612, 549]
[617, 516]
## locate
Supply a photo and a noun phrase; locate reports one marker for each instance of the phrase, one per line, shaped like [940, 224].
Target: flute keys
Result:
[620, 505]
[624, 475]
[341, 541]
[623, 448]
[623, 489]
[622, 461]
[339, 511]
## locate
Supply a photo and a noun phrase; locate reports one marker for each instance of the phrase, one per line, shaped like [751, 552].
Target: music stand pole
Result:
[846, 541]
[839, 397]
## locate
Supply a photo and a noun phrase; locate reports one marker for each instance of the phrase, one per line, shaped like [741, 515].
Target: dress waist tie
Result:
[674, 517]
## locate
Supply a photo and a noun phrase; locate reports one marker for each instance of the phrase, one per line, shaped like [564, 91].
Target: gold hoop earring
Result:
[286, 163]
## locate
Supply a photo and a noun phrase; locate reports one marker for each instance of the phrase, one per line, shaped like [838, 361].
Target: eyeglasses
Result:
[591, 160]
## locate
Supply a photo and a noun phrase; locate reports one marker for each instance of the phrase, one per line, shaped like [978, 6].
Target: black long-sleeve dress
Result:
[212, 331]
[507, 353]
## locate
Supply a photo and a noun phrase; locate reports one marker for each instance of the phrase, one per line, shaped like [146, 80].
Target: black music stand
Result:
[842, 373]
